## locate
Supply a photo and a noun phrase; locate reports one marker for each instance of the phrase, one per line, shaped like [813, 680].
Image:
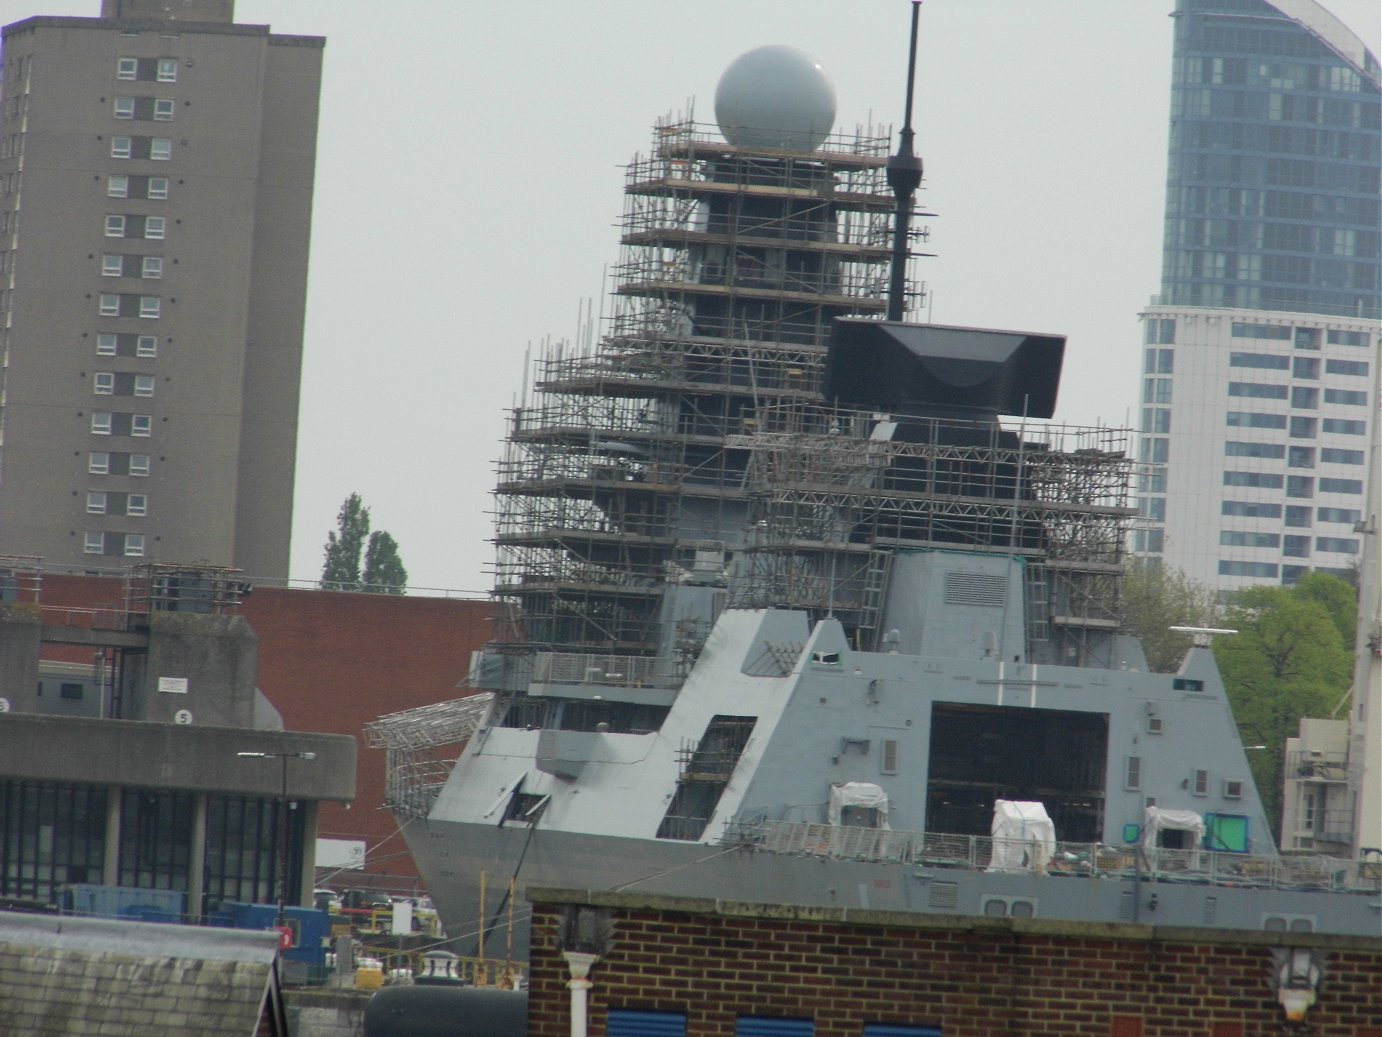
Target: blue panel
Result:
[626, 1023]
[890, 1030]
[751, 1026]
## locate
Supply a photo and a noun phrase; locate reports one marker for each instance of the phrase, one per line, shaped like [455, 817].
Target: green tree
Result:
[1157, 597]
[1288, 660]
[384, 571]
[341, 569]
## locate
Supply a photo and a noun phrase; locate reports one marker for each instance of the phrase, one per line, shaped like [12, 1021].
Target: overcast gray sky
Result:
[469, 179]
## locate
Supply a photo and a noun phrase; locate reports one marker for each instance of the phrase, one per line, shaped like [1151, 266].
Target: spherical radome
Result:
[775, 97]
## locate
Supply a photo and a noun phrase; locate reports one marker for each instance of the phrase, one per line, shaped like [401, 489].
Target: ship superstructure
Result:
[802, 600]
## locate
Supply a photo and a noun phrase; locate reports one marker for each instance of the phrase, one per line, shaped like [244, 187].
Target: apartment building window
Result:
[127, 68]
[150, 306]
[98, 463]
[155, 227]
[121, 147]
[1347, 515]
[1305, 367]
[1258, 570]
[1345, 426]
[1297, 516]
[1260, 480]
[1161, 331]
[1348, 338]
[1334, 455]
[115, 226]
[1258, 390]
[1155, 450]
[1250, 509]
[1272, 331]
[1299, 486]
[1338, 545]
[107, 344]
[124, 107]
[136, 504]
[94, 543]
[1300, 457]
[1305, 397]
[95, 502]
[158, 188]
[1237, 448]
[101, 423]
[117, 186]
[109, 305]
[1295, 546]
[1156, 390]
[112, 266]
[1152, 482]
[141, 425]
[143, 385]
[1355, 368]
[1307, 338]
[160, 149]
[1352, 486]
[146, 346]
[1349, 397]
[103, 383]
[1241, 538]
[1304, 428]
[134, 545]
[167, 70]
[1160, 361]
[163, 109]
[151, 266]
[1254, 419]
[1265, 361]
[139, 464]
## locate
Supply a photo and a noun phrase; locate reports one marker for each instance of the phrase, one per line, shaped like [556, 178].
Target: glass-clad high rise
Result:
[1259, 381]
[1272, 186]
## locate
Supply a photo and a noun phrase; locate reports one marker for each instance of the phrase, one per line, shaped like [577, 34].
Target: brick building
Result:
[715, 969]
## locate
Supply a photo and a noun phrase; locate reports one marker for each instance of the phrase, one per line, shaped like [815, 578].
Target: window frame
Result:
[112, 265]
[140, 509]
[93, 542]
[168, 66]
[108, 304]
[160, 149]
[123, 107]
[115, 225]
[120, 179]
[160, 194]
[150, 307]
[98, 462]
[134, 545]
[107, 344]
[139, 465]
[144, 384]
[155, 228]
[103, 383]
[121, 146]
[127, 69]
[164, 109]
[102, 423]
[151, 267]
[146, 346]
[96, 502]
[142, 425]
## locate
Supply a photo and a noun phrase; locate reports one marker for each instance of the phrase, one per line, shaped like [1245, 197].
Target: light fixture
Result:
[283, 757]
[1296, 976]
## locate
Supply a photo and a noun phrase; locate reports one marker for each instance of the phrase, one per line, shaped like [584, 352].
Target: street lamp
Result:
[283, 757]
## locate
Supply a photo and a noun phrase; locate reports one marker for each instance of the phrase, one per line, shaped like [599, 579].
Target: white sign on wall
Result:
[173, 685]
[341, 853]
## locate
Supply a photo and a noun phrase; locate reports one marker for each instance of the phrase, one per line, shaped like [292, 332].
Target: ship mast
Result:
[904, 177]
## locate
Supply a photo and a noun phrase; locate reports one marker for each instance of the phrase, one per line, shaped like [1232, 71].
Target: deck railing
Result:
[975, 853]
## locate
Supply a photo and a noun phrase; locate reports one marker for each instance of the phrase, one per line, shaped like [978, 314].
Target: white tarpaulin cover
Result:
[858, 794]
[1023, 836]
[1157, 820]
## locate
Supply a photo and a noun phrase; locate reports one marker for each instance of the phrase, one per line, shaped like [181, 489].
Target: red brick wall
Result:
[332, 662]
[979, 981]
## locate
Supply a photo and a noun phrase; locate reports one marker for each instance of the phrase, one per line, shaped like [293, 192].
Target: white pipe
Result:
[579, 963]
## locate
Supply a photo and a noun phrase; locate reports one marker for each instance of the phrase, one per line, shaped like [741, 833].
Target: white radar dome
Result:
[775, 97]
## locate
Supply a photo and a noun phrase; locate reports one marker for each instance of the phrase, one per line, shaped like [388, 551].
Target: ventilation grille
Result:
[964, 588]
[944, 895]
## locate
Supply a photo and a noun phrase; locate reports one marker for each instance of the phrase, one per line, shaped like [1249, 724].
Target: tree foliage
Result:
[1290, 659]
[1157, 597]
[383, 571]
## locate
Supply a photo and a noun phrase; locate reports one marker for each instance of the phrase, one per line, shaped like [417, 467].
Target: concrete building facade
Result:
[1259, 379]
[156, 171]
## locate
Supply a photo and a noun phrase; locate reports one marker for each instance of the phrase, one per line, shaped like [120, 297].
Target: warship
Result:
[805, 603]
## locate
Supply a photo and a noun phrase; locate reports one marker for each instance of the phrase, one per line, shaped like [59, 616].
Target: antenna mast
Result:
[904, 177]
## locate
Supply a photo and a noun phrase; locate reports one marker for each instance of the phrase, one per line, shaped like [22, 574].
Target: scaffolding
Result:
[420, 748]
[834, 492]
[617, 474]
